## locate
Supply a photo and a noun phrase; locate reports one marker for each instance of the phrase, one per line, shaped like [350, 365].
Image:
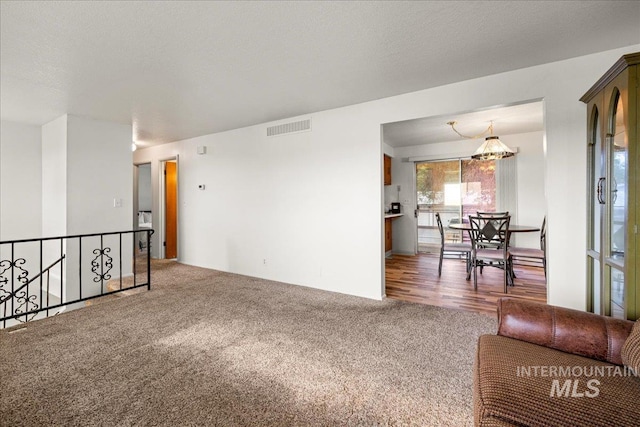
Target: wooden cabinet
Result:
[613, 161]
[387, 170]
[388, 245]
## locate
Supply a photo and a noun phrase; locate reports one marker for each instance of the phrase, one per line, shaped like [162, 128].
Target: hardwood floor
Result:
[415, 279]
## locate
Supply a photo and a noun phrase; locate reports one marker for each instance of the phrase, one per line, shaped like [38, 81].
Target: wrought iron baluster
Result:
[4, 293]
[149, 259]
[12, 278]
[5, 265]
[26, 302]
[98, 264]
[61, 271]
[40, 280]
[48, 274]
[135, 256]
[101, 265]
[120, 259]
[80, 264]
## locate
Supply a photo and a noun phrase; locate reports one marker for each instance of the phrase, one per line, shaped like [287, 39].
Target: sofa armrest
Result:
[572, 331]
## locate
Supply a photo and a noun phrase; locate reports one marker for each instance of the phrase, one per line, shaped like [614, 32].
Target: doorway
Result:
[433, 173]
[169, 206]
[143, 205]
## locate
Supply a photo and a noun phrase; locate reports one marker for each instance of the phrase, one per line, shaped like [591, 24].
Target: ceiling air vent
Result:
[293, 127]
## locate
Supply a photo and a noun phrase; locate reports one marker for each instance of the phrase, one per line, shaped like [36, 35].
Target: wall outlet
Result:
[117, 203]
[399, 187]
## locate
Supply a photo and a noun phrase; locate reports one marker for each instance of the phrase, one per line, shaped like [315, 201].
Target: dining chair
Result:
[489, 248]
[452, 249]
[531, 256]
[492, 214]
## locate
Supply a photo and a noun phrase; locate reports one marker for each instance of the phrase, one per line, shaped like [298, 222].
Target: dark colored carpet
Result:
[211, 348]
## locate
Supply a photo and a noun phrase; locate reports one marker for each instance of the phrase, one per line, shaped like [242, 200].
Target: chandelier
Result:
[491, 149]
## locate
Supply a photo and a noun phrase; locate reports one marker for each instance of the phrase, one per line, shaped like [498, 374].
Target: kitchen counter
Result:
[390, 215]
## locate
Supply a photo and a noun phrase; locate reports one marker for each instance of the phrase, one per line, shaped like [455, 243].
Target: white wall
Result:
[20, 191]
[54, 177]
[285, 200]
[311, 203]
[86, 164]
[20, 181]
[98, 171]
[531, 189]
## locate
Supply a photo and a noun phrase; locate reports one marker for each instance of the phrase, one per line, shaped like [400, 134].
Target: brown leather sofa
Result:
[551, 366]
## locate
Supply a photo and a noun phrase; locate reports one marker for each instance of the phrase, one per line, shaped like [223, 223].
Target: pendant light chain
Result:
[489, 129]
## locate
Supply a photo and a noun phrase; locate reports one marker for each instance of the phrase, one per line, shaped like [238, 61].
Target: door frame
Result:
[454, 153]
[162, 207]
[415, 193]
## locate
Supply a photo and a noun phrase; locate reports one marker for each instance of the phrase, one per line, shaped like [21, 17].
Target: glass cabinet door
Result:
[617, 159]
[607, 206]
[596, 167]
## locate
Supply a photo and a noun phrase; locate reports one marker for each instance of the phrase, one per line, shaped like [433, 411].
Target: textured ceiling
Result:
[182, 69]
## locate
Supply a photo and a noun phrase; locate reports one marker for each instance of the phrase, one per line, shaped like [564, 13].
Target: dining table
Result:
[513, 228]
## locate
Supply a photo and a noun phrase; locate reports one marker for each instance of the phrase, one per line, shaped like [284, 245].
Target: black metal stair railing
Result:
[84, 267]
[21, 296]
